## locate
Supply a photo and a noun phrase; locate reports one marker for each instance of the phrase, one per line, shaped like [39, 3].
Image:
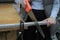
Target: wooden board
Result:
[8, 14]
[11, 35]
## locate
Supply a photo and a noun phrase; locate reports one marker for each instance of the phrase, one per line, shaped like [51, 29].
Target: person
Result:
[38, 9]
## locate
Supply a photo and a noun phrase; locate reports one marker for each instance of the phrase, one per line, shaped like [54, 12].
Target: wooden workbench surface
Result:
[8, 15]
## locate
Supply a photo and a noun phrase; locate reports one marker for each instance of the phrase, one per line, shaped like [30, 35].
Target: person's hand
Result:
[23, 3]
[50, 21]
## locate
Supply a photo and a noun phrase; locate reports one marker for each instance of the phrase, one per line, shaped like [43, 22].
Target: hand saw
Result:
[32, 16]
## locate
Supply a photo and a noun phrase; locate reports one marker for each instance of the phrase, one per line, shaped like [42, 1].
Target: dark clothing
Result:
[31, 33]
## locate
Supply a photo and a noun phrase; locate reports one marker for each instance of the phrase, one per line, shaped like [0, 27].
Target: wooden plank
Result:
[12, 35]
[8, 35]
[8, 14]
[11, 29]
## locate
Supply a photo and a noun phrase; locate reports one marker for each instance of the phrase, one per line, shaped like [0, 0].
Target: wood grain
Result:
[8, 14]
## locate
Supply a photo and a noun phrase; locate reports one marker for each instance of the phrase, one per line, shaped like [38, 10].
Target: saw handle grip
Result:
[28, 7]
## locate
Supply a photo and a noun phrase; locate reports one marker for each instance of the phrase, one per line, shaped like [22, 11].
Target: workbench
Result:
[8, 15]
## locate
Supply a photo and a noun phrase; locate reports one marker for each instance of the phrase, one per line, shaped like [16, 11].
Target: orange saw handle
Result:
[28, 7]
